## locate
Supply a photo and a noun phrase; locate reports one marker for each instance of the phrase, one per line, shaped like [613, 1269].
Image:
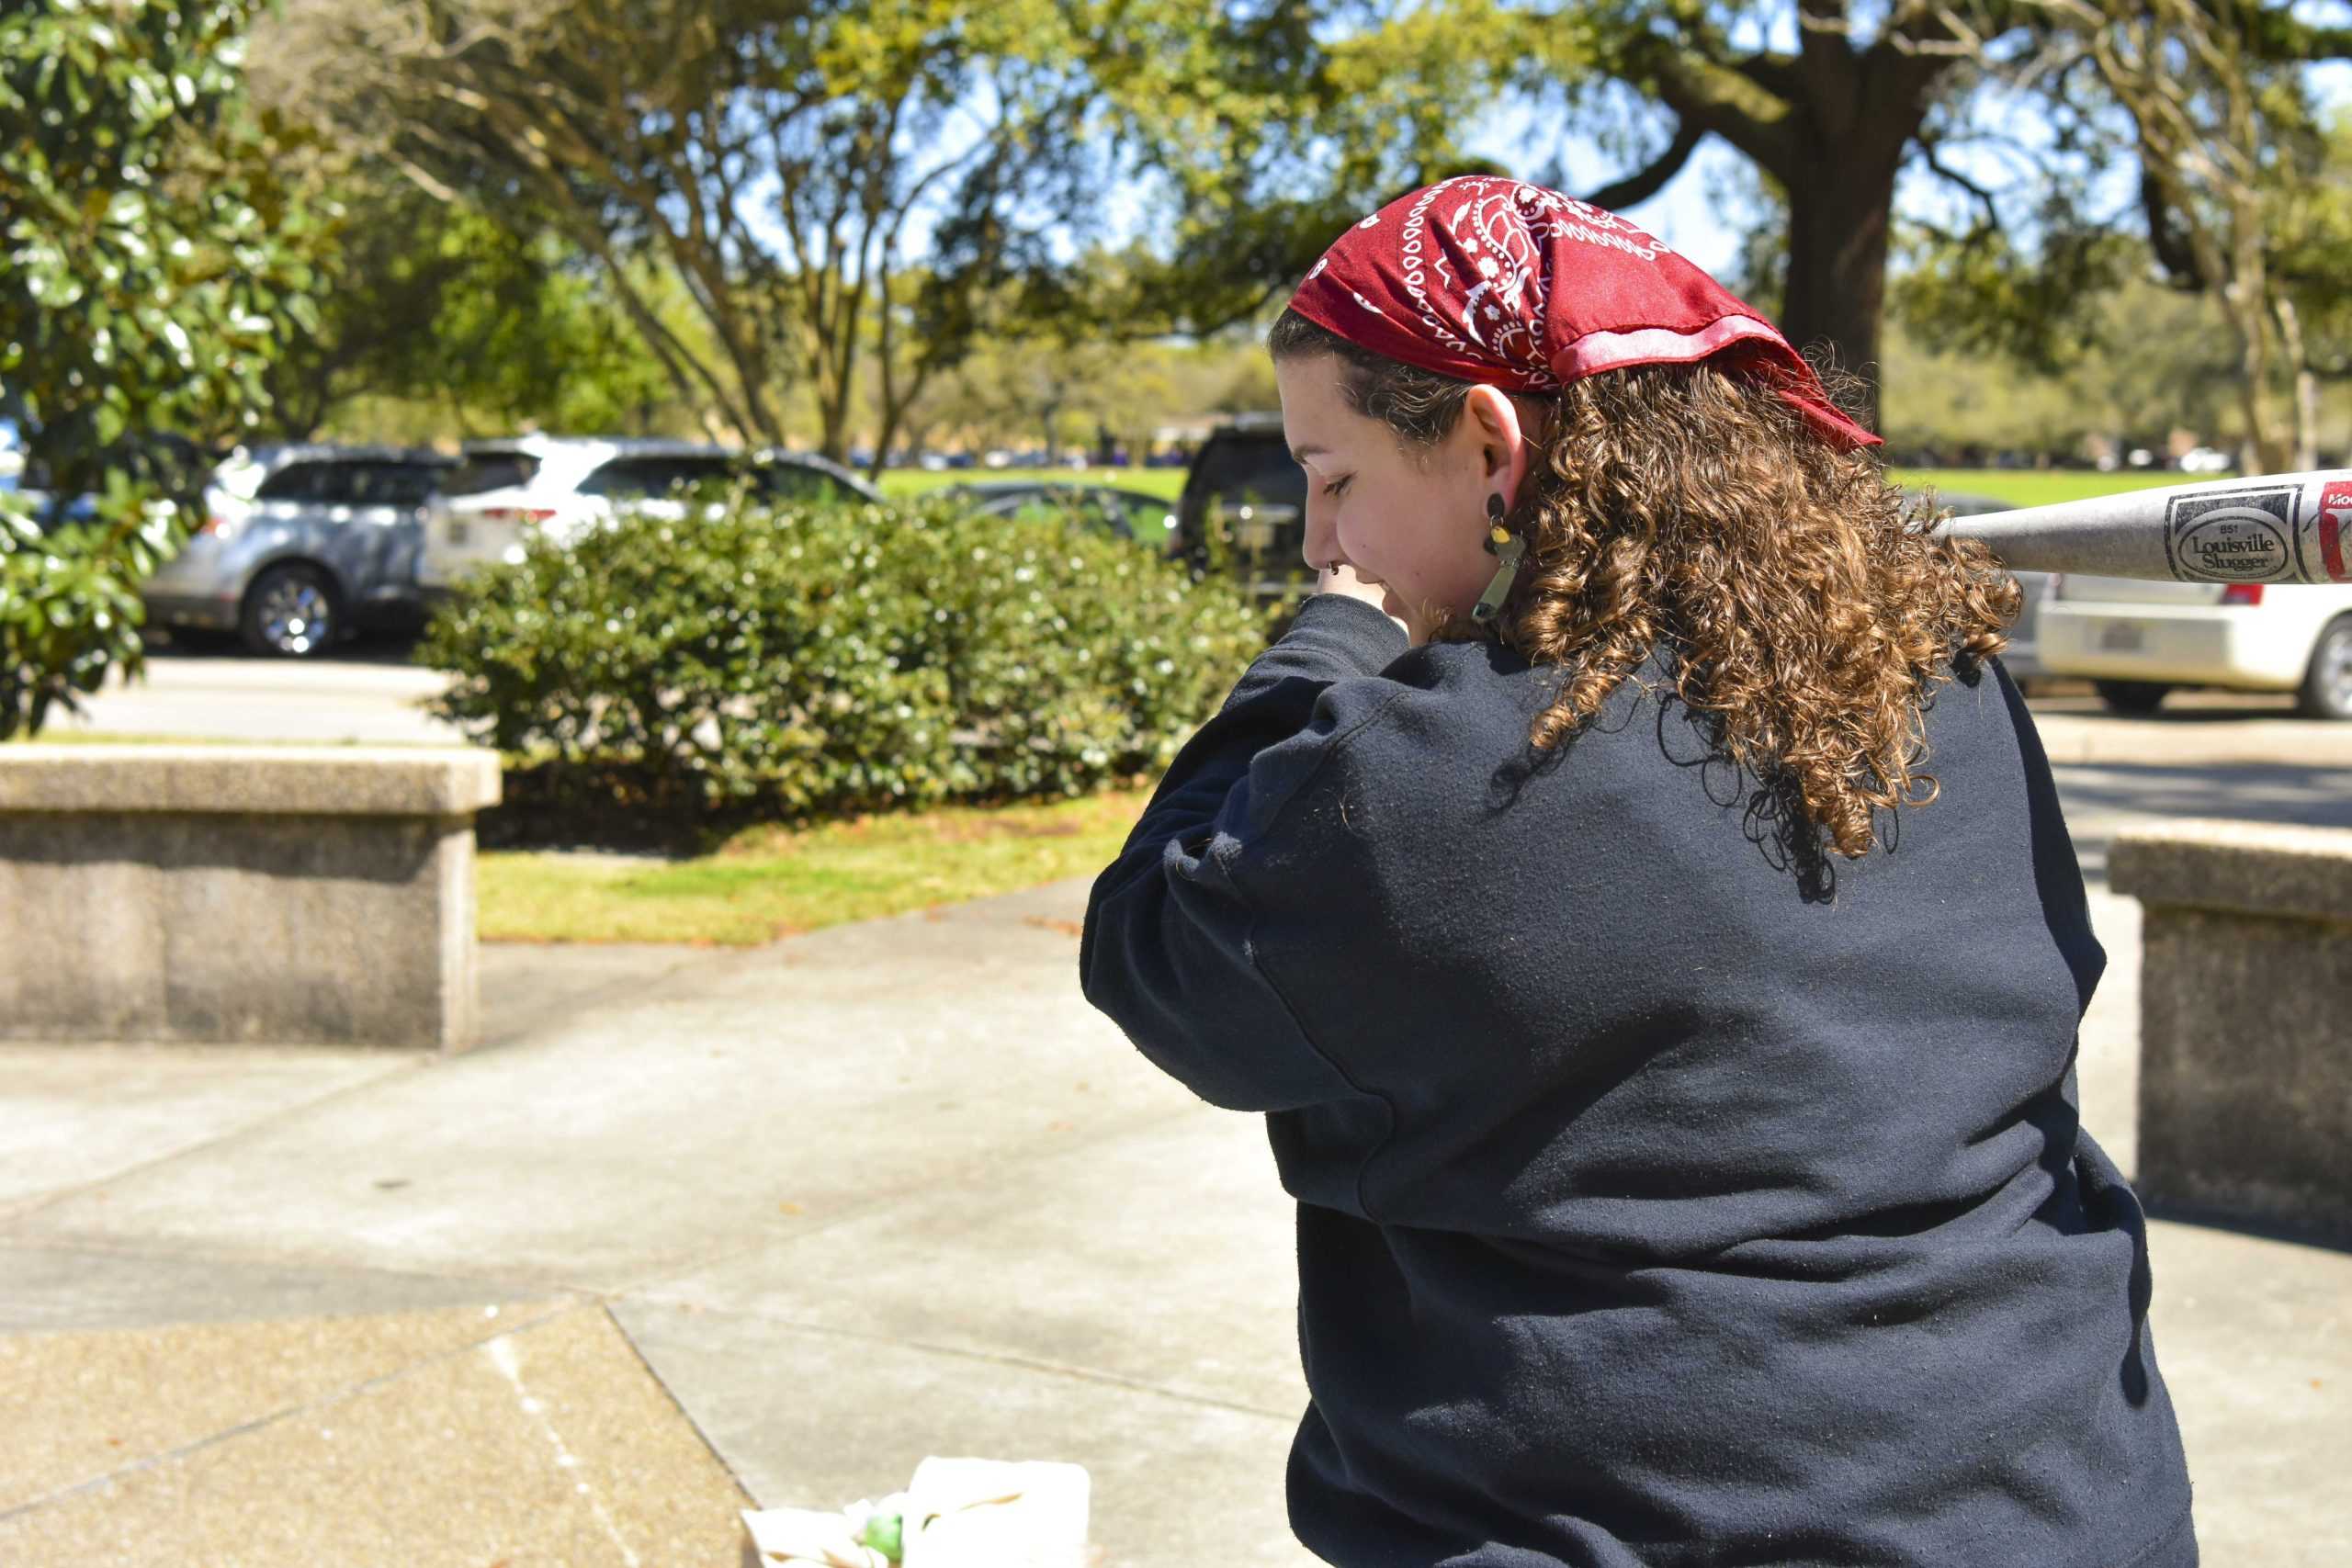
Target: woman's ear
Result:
[1503, 450]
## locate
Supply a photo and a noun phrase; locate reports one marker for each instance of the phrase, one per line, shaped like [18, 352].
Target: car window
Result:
[1148, 516]
[1098, 509]
[636, 479]
[351, 483]
[1256, 467]
[296, 481]
[795, 481]
[493, 469]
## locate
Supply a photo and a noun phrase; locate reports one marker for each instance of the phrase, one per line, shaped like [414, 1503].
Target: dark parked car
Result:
[329, 545]
[1244, 507]
[1128, 513]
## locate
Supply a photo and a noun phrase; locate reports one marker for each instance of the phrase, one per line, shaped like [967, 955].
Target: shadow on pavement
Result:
[388, 647]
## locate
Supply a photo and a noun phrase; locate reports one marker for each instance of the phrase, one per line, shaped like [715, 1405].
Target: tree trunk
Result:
[2306, 394]
[2242, 303]
[833, 414]
[1838, 211]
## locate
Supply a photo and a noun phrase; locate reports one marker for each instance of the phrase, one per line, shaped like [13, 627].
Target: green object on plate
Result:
[885, 1533]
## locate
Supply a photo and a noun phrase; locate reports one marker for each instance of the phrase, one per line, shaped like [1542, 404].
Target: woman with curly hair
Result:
[1637, 900]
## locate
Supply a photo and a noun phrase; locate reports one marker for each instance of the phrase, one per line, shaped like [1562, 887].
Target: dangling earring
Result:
[1506, 548]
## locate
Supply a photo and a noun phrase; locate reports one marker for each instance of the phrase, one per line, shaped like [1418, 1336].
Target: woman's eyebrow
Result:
[1300, 453]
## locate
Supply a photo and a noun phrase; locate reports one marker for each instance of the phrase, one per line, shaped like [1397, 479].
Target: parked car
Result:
[1128, 513]
[237, 480]
[2137, 641]
[327, 545]
[1244, 507]
[561, 487]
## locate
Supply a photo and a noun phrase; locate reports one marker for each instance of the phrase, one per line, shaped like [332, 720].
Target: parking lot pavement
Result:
[368, 695]
[2102, 799]
[2192, 727]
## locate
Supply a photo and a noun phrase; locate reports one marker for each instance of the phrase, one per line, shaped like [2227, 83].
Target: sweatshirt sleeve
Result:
[1167, 946]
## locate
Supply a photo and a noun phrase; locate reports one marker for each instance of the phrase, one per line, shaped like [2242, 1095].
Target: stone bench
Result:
[2245, 1020]
[247, 894]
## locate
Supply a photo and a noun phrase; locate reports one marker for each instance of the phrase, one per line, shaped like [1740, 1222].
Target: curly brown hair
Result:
[1808, 611]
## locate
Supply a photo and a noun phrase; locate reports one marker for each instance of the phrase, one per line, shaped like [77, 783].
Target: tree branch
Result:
[1928, 153]
[1720, 98]
[1645, 183]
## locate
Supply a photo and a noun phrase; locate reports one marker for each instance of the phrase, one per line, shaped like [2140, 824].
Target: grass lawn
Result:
[2032, 487]
[899, 483]
[770, 882]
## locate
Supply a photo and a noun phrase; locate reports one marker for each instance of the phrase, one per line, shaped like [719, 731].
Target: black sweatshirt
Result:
[1667, 1195]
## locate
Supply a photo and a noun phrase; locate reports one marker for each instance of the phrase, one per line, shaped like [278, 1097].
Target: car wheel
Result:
[290, 613]
[2131, 696]
[2327, 685]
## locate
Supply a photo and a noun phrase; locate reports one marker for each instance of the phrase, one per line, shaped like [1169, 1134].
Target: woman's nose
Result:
[1318, 541]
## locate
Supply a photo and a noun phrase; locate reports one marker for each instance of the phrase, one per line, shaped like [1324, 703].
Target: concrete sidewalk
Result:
[825, 1207]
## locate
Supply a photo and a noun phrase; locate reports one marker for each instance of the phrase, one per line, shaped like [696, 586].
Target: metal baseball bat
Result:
[2262, 528]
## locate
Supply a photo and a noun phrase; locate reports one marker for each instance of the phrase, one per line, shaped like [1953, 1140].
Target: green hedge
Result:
[818, 660]
[70, 611]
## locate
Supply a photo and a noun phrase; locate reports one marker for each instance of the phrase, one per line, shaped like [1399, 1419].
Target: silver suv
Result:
[328, 543]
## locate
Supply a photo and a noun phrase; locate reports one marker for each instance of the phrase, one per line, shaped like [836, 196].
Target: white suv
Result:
[561, 487]
[2138, 640]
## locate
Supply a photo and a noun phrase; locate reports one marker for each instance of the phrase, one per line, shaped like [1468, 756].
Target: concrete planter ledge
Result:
[321, 781]
[2245, 1020]
[2254, 867]
[241, 894]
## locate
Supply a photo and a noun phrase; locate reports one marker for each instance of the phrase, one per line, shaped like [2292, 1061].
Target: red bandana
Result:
[1513, 286]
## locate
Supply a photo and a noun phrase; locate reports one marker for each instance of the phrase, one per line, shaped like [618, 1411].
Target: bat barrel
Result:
[2276, 528]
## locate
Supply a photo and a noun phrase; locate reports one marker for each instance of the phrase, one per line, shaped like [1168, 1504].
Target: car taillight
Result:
[2242, 594]
[516, 513]
[218, 528]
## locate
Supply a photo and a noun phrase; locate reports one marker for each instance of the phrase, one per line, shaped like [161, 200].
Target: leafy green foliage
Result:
[1984, 293]
[857, 195]
[2148, 360]
[1264, 132]
[484, 323]
[69, 604]
[2311, 258]
[813, 661]
[154, 255]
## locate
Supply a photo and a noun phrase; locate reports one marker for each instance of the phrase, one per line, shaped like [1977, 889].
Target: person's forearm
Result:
[1334, 637]
[1166, 951]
